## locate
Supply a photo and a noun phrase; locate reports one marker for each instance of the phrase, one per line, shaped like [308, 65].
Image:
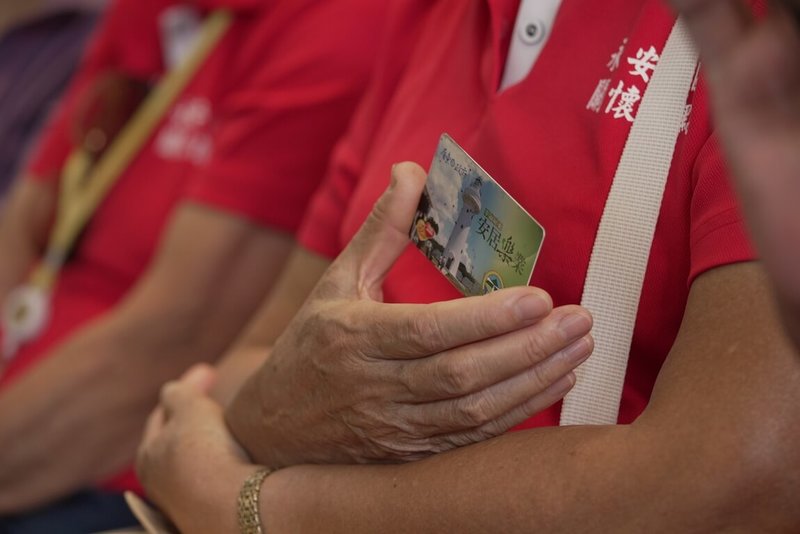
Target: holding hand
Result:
[187, 460]
[355, 380]
[753, 71]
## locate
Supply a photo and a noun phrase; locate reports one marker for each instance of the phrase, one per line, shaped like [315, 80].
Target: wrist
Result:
[248, 504]
[209, 505]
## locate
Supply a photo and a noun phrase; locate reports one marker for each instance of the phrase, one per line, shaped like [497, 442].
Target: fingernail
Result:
[565, 384]
[533, 306]
[393, 176]
[574, 325]
[578, 352]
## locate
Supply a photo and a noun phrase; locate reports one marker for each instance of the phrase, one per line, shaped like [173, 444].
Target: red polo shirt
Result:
[251, 134]
[553, 141]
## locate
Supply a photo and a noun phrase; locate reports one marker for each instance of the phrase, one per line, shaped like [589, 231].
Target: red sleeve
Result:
[320, 229]
[121, 42]
[276, 130]
[718, 233]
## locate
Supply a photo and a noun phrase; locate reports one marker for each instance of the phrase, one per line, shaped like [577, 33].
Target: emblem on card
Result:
[470, 229]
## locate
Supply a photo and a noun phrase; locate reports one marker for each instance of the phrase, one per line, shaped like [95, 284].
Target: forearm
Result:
[77, 417]
[509, 484]
[285, 299]
[234, 369]
[254, 343]
[715, 450]
[18, 254]
[12, 273]
[548, 480]
[552, 480]
[23, 230]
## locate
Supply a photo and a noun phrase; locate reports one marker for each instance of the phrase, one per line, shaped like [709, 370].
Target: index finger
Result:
[404, 331]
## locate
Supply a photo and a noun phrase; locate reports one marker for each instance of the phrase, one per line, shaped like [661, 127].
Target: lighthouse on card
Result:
[471, 204]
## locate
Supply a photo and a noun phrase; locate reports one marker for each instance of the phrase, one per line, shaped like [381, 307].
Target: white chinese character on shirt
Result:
[644, 62]
[627, 99]
[613, 63]
[687, 113]
[596, 102]
[185, 135]
[696, 78]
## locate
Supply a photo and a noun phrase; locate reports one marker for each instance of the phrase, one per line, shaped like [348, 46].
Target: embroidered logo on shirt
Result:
[186, 135]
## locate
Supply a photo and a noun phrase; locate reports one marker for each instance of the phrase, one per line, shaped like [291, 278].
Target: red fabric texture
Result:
[251, 134]
[544, 144]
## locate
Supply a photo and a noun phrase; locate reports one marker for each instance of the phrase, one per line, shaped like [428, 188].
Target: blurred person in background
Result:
[705, 439]
[40, 46]
[181, 249]
[753, 71]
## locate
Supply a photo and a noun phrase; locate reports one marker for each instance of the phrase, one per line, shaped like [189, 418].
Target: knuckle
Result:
[386, 435]
[444, 443]
[505, 315]
[482, 433]
[463, 439]
[534, 346]
[380, 213]
[541, 375]
[455, 376]
[487, 321]
[407, 379]
[425, 330]
[475, 411]
[399, 451]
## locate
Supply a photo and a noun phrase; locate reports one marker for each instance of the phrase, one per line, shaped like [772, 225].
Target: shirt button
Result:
[532, 32]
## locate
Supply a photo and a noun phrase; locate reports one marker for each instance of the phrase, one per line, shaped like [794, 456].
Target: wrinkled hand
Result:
[753, 72]
[355, 380]
[188, 461]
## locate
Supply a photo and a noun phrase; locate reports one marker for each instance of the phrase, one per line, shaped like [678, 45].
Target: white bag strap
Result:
[624, 238]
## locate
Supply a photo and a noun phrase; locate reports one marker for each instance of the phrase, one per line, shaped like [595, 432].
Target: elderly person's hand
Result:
[355, 380]
[188, 461]
[753, 72]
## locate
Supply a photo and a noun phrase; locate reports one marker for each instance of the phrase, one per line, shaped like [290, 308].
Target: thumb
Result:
[201, 377]
[361, 268]
[183, 394]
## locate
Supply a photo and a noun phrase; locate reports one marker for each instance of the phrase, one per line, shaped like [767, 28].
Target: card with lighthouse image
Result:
[472, 231]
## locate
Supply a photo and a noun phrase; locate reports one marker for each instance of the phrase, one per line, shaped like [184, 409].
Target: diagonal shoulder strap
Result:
[25, 311]
[622, 246]
[133, 136]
